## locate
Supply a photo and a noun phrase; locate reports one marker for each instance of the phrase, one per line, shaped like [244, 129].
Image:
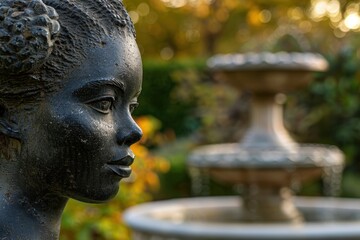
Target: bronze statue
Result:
[70, 75]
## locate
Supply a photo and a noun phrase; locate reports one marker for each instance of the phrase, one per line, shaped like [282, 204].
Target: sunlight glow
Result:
[134, 16]
[182, 3]
[352, 21]
[319, 8]
[295, 13]
[345, 21]
[143, 9]
[265, 16]
[167, 53]
[333, 7]
[175, 3]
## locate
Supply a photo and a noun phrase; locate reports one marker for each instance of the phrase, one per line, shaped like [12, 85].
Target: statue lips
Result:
[122, 167]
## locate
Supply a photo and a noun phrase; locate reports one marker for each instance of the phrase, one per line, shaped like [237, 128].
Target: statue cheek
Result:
[86, 137]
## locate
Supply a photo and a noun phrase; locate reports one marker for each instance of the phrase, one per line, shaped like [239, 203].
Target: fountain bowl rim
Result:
[268, 61]
[233, 155]
[138, 219]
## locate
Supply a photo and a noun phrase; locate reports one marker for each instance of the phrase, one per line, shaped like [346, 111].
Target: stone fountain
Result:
[267, 162]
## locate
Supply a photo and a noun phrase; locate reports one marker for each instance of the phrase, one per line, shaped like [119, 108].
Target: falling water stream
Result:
[200, 181]
[331, 177]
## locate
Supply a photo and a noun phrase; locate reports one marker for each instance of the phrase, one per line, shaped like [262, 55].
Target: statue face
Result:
[77, 143]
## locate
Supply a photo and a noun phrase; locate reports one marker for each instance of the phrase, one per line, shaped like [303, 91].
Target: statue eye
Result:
[103, 105]
[133, 106]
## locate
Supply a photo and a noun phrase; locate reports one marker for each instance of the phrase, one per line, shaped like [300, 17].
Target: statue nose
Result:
[129, 134]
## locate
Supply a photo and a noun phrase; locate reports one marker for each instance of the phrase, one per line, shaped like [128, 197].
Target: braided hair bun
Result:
[28, 30]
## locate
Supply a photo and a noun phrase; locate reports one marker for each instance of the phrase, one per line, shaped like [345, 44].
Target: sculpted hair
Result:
[84, 22]
[49, 38]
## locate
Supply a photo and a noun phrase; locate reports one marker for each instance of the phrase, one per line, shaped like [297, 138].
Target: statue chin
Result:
[65, 109]
[102, 196]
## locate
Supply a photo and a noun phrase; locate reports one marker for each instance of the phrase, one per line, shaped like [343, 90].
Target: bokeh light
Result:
[345, 21]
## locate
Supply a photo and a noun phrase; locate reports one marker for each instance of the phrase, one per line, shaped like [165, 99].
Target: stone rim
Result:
[268, 61]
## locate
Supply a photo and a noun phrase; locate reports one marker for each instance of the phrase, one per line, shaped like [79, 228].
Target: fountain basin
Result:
[220, 218]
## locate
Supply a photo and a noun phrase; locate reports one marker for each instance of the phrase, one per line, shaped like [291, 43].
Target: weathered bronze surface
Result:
[70, 75]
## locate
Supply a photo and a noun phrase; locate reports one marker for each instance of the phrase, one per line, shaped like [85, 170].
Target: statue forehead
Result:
[117, 58]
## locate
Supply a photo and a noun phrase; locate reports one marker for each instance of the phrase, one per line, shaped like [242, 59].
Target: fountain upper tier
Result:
[266, 144]
[267, 72]
[266, 75]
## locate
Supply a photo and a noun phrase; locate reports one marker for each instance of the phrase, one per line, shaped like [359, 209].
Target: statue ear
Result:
[8, 127]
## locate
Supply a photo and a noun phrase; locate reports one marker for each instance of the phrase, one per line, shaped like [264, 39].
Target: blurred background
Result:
[182, 106]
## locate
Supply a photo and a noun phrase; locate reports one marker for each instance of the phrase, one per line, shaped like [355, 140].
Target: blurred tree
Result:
[199, 28]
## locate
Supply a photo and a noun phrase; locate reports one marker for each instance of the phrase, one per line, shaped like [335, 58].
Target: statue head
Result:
[70, 75]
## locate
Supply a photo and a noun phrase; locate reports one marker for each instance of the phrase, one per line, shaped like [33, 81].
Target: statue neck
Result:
[28, 214]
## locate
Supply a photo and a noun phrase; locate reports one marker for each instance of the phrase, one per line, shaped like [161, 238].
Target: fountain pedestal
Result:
[267, 128]
[269, 205]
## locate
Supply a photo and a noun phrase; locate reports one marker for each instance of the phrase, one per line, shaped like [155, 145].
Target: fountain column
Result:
[267, 128]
